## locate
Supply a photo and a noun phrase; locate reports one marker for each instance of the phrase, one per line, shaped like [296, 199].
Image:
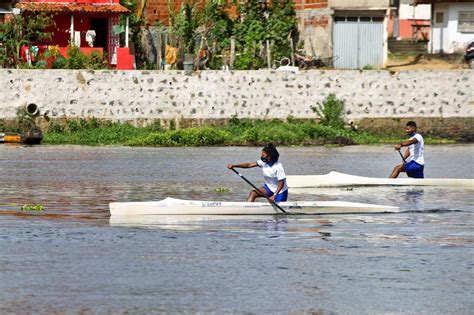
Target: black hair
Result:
[272, 152]
[411, 124]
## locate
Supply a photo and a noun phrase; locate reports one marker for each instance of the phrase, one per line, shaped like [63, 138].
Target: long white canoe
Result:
[336, 179]
[171, 206]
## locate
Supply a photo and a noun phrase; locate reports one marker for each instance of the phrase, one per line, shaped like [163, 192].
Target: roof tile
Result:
[72, 7]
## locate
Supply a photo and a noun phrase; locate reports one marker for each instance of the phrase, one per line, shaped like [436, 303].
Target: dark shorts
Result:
[283, 196]
[414, 169]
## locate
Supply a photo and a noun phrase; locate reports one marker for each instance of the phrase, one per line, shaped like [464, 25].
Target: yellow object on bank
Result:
[12, 138]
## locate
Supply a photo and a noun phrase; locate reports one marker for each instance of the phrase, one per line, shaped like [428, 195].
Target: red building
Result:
[86, 23]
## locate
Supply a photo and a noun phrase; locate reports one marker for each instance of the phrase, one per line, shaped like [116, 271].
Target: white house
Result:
[452, 25]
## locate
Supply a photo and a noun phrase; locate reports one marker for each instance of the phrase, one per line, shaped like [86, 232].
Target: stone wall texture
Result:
[442, 100]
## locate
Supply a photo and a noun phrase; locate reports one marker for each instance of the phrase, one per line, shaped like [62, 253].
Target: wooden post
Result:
[158, 51]
[302, 13]
[213, 52]
[126, 31]
[165, 44]
[292, 47]
[269, 54]
[198, 55]
[232, 52]
[71, 29]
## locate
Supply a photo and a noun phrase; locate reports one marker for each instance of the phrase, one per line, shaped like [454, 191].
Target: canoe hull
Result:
[171, 206]
[336, 179]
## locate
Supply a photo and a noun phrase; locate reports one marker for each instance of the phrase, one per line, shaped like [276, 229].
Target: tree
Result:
[186, 23]
[136, 24]
[261, 22]
[22, 31]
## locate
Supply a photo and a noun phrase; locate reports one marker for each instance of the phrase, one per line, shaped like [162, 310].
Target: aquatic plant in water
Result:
[34, 207]
[221, 189]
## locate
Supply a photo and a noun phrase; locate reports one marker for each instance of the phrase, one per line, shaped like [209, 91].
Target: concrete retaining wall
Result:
[374, 99]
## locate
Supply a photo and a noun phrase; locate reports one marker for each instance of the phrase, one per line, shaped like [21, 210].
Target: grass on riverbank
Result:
[237, 132]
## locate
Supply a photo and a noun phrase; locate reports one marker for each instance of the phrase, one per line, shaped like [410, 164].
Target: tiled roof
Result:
[72, 7]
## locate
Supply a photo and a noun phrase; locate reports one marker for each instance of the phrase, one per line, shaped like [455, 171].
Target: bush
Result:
[203, 136]
[22, 31]
[237, 132]
[97, 61]
[78, 60]
[92, 131]
[59, 63]
[55, 128]
[331, 111]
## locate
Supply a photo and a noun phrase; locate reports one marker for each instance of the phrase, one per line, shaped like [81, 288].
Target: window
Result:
[440, 17]
[466, 22]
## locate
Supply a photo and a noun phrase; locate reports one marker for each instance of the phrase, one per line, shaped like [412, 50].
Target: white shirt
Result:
[90, 37]
[272, 174]
[416, 150]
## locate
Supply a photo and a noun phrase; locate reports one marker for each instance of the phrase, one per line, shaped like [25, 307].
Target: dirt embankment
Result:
[426, 62]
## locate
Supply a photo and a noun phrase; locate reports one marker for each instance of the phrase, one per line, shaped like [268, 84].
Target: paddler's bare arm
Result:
[407, 154]
[278, 190]
[406, 143]
[242, 165]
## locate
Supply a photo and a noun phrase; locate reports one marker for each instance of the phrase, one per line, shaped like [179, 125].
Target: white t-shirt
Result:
[272, 174]
[416, 150]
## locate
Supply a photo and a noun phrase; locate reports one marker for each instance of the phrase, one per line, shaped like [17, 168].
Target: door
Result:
[100, 26]
[358, 42]
[440, 32]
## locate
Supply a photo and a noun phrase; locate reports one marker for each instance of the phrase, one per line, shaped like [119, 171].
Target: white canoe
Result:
[335, 179]
[171, 206]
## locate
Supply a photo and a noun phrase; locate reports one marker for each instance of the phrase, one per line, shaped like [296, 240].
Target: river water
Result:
[72, 258]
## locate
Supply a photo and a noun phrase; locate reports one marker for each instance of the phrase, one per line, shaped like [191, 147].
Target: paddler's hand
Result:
[230, 166]
[398, 147]
[272, 199]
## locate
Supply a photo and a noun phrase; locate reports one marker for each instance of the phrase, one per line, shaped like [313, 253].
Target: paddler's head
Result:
[269, 154]
[410, 128]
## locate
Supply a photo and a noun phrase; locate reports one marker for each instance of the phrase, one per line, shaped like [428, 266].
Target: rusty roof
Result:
[72, 7]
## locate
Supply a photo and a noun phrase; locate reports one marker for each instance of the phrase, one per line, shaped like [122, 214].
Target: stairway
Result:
[406, 46]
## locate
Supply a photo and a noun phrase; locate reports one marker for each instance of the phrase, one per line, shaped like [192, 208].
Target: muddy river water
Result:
[73, 258]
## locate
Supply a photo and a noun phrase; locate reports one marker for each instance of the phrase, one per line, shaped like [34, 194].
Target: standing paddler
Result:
[414, 162]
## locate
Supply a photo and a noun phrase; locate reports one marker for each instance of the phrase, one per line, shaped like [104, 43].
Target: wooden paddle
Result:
[256, 189]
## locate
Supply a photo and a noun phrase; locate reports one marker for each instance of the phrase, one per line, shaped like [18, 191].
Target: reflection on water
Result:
[74, 258]
[199, 222]
[414, 198]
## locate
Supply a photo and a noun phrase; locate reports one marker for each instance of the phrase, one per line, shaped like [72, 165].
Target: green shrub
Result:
[238, 132]
[97, 61]
[203, 136]
[55, 127]
[331, 111]
[59, 63]
[22, 30]
[78, 60]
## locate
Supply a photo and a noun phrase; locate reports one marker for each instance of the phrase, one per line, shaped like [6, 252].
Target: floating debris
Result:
[221, 189]
[33, 208]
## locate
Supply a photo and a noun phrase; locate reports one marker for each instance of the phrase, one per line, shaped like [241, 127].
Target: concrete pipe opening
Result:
[32, 109]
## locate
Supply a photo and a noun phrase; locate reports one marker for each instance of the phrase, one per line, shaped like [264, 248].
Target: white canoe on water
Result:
[336, 179]
[171, 206]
